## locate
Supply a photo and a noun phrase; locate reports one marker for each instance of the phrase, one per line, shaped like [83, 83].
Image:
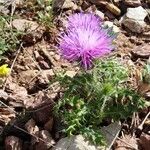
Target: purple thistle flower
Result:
[84, 20]
[85, 42]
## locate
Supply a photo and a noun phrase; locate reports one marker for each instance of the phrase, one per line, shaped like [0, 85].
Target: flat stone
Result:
[142, 51]
[138, 13]
[111, 132]
[134, 19]
[23, 24]
[134, 26]
[77, 142]
[26, 76]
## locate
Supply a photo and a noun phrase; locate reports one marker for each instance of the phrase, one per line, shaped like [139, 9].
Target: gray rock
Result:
[80, 143]
[74, 143]
[111, 132]
[134, 19]
[138, 13]
[23, 24]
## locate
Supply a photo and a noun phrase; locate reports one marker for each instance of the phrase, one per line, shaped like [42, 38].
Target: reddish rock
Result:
[145, 141]
[49, 125]
[142, 51]
[13, 143]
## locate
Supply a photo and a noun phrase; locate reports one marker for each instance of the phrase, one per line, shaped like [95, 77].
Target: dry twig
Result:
[4, 86]
[141, 125]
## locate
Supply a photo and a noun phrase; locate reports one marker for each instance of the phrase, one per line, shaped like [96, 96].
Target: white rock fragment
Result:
[138, 13]
[110, 24]
[100, 14]
[134, 19]
[70, 73]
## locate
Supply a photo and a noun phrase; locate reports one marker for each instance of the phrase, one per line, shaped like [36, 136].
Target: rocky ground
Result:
[27, 94]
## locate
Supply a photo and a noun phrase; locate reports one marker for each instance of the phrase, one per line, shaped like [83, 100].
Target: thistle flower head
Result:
[83, 20]
[85, 41]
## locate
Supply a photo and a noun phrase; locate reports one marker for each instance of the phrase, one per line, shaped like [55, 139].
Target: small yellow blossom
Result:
[4, 70]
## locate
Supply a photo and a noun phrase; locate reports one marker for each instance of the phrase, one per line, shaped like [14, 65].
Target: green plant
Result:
[146, 73]
[8, 36]
[91, 97]
[41, 10]
[45, 15]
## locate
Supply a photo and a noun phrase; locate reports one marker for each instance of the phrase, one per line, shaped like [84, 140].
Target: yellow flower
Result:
[4, 70]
